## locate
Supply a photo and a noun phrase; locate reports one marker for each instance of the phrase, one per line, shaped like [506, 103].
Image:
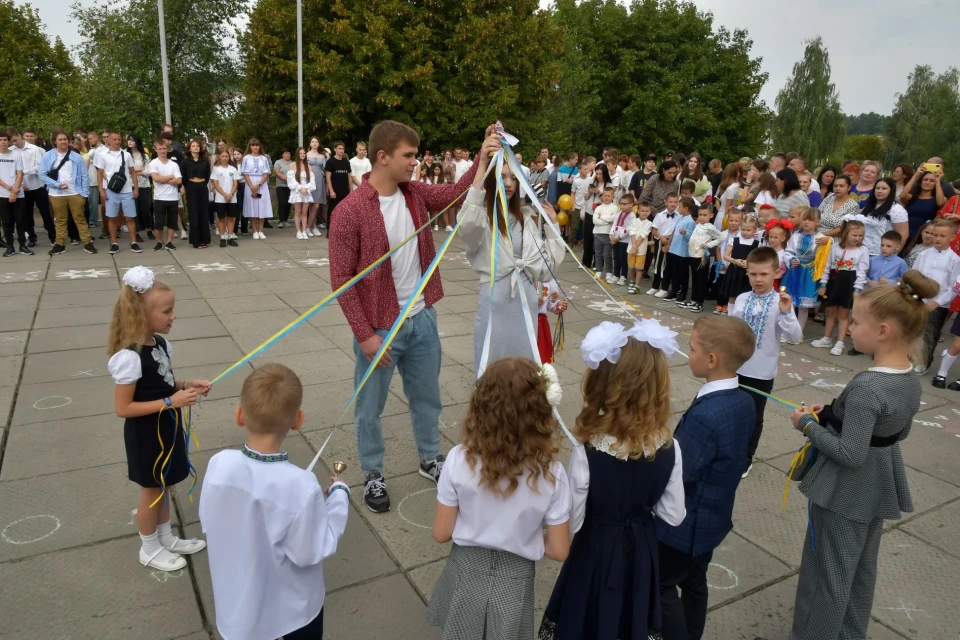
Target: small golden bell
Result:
[339, 466]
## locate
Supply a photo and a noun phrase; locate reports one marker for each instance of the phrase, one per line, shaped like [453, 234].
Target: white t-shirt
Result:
[225, 177]
[32, 154]
[110, 162]
[165, 190]
[406, 261]
[359, 167]
[462, 166]
[730, 193]
[64, 176]
[488, 520]
[581, 192]
[764, 197]
[10, 163]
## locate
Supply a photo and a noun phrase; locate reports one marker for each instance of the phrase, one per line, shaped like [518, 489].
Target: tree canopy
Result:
[865, 124]
[926, 120]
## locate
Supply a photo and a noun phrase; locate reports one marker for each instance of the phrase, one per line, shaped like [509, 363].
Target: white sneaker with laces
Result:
[661, 294]
[837, 349]
[622, 281]
[823, 343]
[316, 232]
[162, 560]
[652, 291]
[449, 228]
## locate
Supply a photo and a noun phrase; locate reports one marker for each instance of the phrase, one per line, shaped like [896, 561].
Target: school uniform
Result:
[677, 256]
[846, 274]
[735, 282]
[664, 224]
[944, 267]
[621, 231]
[704, 238]
[890, 267]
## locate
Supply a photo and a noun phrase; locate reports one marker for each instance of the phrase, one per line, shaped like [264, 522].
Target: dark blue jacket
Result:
[713, 435]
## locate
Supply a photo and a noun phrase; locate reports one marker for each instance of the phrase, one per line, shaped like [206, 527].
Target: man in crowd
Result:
[338, 178]
[116, 164]
[799, 165]
[64, 174]
[545, 152]
[639, 179]
[35, 192]
[778, 162]
[462, 164]
[12, 197]
[359, 165]
[94, 204]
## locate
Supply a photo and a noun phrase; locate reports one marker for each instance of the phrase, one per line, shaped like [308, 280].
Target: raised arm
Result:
[314, 533]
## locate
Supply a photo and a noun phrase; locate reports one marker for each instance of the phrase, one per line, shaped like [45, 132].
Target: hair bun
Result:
[918, 286]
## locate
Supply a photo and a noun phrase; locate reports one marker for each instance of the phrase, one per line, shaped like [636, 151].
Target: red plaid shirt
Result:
[358, 238]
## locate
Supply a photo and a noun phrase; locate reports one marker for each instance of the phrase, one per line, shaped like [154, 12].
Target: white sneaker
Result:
[233, 236]
[299, 235]
[162, 560]
[280, 226]
[611, 278]
[661, 294]
[800, 341]
[622, 281]
[186, 547]
[123, 228]
[449, 228]
[436, 227]
[823, 343]
[837, 349]
[261, 236]
[747, 472]
[599, 272]
[652, 290]
[317, 233]
[183, 234]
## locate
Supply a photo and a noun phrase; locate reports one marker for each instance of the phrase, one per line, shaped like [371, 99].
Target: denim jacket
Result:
[81, 179]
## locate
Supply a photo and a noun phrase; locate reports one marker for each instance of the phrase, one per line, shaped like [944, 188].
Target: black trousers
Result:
[699, 279]
[935, 321]
[313, 630]
[144, 204]
[283, 204]
[620, 258]
[685, 613]
[39, 198]
[587, 257]
[197, 198]
[675, 275]
[759, 403]
[241, 222]
[655, 261]
[13, 214]
[331, 205]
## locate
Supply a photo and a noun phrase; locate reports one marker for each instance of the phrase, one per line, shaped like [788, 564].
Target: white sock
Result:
[151, 544]
[946, 363]
[165, 534]
[802, 316]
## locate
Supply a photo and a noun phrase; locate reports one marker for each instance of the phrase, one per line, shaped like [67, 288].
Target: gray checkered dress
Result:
[484, 593]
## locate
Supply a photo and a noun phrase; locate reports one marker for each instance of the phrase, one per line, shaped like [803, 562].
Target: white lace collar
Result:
[605, 444]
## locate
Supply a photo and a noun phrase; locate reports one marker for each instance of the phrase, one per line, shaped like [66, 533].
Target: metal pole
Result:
[299, 72]
[163, 65]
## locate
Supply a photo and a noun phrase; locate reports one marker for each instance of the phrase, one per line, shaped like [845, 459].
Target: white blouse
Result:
[124, 365]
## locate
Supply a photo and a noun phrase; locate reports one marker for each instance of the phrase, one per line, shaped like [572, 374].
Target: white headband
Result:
[606, 340]
[139, 278]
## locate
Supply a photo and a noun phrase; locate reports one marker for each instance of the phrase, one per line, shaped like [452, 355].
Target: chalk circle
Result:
[51, 520]
[37, 404]
[408, 520]
[730, 575]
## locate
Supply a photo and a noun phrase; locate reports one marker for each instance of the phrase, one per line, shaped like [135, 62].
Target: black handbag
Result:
[119, 179]
[54, 174]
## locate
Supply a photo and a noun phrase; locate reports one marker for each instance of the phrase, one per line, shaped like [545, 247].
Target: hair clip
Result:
[139, 278]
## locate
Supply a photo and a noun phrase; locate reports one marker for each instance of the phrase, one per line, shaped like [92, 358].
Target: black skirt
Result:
[149, 455]
[840, 289]
[734, 282]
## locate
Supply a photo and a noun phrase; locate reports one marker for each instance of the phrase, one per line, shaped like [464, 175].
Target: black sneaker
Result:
[74, 241]
[158, 246]
[696, 308]
[136, 248]
[671, 297]
[430, 469]
[150, 236]
[939, 382]
[114, 248]
[954, 386]
[25, 251]
[852, 351]
[232, 243]
[32, 243]
[375, 493]
[267, 225]
[223, 243]
[89, 248]
[139, 238]
[170, 247]
[57, 248]
[9, 252]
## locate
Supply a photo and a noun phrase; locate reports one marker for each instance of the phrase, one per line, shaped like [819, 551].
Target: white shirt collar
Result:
[890, 370]
[719, 385]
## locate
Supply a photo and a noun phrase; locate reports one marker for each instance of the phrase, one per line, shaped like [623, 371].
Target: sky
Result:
[873, 44]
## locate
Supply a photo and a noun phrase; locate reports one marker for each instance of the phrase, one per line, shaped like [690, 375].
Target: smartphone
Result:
[931, 167]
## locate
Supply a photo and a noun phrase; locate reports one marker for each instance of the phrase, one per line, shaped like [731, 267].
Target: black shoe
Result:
[646, 277]
[9, 252]
[139, 239]
[939, 382]
[244, 233]
[171, 247]
[25, 251]
[267, 225]
[150, 236]
[222, 243]
[852, 351]
[232, 243]
[89, 248]
[696, 308]
[114, 248]
[671, 297]
[74, 241]
[158, 246]
[136, 248]
[430, 469]
[375, 493]
[32, 243]
[954, 386]
[57, 248]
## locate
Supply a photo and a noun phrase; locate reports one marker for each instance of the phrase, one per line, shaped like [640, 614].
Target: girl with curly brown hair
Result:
[498, 489]
[627, 469]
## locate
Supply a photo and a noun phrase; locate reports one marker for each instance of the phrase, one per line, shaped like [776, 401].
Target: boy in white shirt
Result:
[640, 230]
[663, 225]
[703, 240]
[12, 209]
[359, 165]
[939, 263]
[269, 524]
[166, 197]
[581, 200]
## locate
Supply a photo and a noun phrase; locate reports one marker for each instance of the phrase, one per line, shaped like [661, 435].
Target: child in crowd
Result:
[942, 265]
[619, 235]
[920, 243]
[687, 189]
[801, 279]
[777, 236]
[765, 215]
[637, 250]
[167, 179]
[581, 200]
[888, 267]
[663, 227]
[715, 431]
[301, 182]
[603, 218]
[679, 251]
[498, 489]
[703, 239]
[270, 524]
[858, 479]
[770, 315]
[732, 221]
[549, 301]
[735, 253]
[224, 180]
[844, 277]
[149, 400]
[608, 587]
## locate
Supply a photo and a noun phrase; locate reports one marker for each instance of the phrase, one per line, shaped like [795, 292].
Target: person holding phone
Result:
[924, 195]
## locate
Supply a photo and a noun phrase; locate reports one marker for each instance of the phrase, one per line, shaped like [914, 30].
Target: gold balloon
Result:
[565, 202]
[562, 218]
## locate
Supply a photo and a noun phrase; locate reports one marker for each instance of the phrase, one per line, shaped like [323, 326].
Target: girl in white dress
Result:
[302, 183]
[256, 171]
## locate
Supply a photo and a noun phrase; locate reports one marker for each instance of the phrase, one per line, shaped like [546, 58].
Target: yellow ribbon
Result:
[165, 461]
[821, 260]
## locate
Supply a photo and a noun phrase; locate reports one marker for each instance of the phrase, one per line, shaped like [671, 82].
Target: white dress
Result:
[295, 183]
[256, 167]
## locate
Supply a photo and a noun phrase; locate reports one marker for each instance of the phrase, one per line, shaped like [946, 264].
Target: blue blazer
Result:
[713, 435]
[81, 179]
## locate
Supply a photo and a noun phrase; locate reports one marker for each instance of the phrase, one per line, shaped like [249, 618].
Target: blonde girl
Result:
[302, 184]
[500, 486]
[149, 399]
[857, 478]
[842, 280]
[224, 182]
[801, 255]
[624, 441]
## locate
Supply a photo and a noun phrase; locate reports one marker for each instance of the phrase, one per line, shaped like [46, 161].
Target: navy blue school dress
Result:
[609, 587]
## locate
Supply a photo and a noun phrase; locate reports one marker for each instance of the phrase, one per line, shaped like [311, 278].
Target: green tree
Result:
[865, 124]
[926, 120]
[447, 68]
[34, 69]
[120, 55]
[809, 120]
[863, 147]
[652, 76]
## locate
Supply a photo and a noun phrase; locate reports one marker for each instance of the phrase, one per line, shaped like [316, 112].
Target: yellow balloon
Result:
[565, 202]
[563, 218]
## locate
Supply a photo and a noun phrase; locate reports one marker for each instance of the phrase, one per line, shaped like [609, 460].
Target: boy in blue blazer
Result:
[714, 433]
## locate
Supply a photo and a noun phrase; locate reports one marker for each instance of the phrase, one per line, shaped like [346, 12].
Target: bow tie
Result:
[671, 215]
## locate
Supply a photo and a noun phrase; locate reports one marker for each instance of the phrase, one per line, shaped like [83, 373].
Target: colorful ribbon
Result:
[559, 336]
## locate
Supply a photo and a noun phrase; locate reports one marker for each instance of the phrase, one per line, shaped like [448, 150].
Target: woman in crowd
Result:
[837, 205]
[195, 169]
[827, 175]
[851, 169]
[694, 171]
[881, 213]
[806, 184]
[901, 176]
[922, 197]
[255, 170]
[767, 191]
[869, 173]
[791, 195]
[728, 193]
[280, 168]
[317, 159]
[657, 187]
[141, 160]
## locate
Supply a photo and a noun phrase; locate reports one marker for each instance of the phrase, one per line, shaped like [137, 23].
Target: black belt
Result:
[827, 417]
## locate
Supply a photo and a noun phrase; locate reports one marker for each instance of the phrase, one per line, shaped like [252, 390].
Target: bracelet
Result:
[168, 402]
[341, 488]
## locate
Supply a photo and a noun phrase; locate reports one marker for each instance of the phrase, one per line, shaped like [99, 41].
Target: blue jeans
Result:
[416, 353]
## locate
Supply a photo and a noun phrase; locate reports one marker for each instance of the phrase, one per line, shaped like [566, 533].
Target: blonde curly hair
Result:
[128, 326]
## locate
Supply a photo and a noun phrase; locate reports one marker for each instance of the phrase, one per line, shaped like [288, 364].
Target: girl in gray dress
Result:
[527, 261]
[317, 161]
[857, 479]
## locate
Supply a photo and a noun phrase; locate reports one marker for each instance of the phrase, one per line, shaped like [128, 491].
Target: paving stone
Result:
[54, 318]
[246, 303]
[399, 612]
[192, 328]
[97, 591]
[85, 284]
[342, 337]
[63, 445]
[314, 366]
[45, 402]
[10, 367]
[12, 343]
[20, 288]
[68, 509]
[329, 316]
[79, 299]
[18, 303]
[17, 320]
[739, 567]
[230, 289]
[252, 329]
[938, 527]
[78, 337]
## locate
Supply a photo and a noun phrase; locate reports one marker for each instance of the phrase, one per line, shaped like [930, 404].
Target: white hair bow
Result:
[606, 340]
[139, 278]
